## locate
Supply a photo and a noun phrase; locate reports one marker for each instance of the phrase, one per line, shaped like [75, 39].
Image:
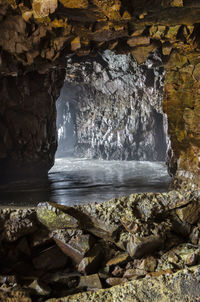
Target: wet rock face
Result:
[112, 107]
[28, 138]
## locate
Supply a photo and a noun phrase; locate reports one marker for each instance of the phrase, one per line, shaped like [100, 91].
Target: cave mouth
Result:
[112, 132]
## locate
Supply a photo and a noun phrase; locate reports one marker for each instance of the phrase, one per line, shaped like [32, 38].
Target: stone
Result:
[179, 257]
[53, 218]
[119, 259]
[26, 15]
[73, 245]
[118, 271]
[42, 290]
[42, 8]
[190, 213]
[75, 3]
[15, 295]
[75, 44]
[191, 259]
[138, 247]
[166, 49]
[157, 32]
[172, 32]
[39, 237]
[172, 287]
[2, 279]
[23, 246]
[134, 273]
[138, 41]
[70, 251]
[148, 264]
[141, 53]
[92, 262]
[91, 282]
[177, 3]
[115, 281]
[195, 235]
[20, 223]
[49, 259]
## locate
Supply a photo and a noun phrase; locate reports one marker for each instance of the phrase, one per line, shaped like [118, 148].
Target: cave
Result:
[114, 81]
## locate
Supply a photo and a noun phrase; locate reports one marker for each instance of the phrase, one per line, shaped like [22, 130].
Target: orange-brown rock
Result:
[138, 41]
[75, 3]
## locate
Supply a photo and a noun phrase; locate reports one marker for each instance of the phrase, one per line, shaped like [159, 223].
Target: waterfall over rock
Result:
[111, 108]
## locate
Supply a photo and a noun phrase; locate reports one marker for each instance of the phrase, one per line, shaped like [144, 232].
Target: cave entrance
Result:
[112, 133]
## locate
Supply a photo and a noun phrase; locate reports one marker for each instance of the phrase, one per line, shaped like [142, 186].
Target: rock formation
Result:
[36, 36]
[113, 108]
[141, 247]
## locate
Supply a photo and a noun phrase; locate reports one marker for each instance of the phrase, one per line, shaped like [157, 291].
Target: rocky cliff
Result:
[35, 36]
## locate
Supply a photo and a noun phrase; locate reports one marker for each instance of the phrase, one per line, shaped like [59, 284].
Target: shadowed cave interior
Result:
[109, 110]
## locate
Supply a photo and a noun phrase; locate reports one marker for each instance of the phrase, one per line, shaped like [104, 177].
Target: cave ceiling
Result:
[33, 34]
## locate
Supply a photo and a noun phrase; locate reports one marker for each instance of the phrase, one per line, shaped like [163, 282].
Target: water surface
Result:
[77, 181]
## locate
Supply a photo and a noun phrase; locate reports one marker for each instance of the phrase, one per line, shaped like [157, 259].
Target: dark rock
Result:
[118, 271]
[41, 289]
[138, 247]
[39, 237]
[92, 262]
[73, 245]
[28, 141]
[23, 247]
[3, 279]
[49, 259]
[70, 251]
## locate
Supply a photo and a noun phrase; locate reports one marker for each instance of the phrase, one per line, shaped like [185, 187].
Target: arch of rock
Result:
[37, 35]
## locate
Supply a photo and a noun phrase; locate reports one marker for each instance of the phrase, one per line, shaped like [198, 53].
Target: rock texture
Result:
[39, 34]
[143, 246]
[28, 139]
[112, 108]
[179, 287]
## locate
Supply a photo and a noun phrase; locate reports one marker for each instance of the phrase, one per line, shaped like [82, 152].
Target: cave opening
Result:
[112, 132]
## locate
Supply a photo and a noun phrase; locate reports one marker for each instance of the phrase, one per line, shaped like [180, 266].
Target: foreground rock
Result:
[143, 246]
[180, 287]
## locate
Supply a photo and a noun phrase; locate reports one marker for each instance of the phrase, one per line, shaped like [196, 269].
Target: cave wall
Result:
[182, 105]
[37, 35]
[115, 108]
[28, 138]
